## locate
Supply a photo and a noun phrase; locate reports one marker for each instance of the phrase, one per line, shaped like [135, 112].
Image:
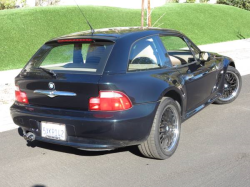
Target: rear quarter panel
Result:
[143, 86]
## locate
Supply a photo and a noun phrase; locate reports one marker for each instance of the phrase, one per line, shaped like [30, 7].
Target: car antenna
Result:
[92, 30]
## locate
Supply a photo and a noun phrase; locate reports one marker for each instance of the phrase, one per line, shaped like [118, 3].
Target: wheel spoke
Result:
[163, 124]
[163, 130]
[162, 137]
[169, 141]
[165, 142]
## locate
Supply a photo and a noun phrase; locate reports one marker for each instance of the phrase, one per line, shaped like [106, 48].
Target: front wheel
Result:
[165, 133]
[232, 86]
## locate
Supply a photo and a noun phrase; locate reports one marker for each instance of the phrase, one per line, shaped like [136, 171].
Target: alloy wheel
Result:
[231, 86]
[169, 129]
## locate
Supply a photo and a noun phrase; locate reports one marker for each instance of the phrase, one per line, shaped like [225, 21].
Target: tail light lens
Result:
[21, 96]
[110, 101]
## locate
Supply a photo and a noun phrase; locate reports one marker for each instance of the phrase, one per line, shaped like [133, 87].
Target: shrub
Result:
[204, 1]
[46, 2]
[172, 1]
[244, 4]
[190, 1]
[7, 4]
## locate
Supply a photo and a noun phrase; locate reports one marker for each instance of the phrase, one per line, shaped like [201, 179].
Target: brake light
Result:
[110, 101]
[75, 40]
[21, 96]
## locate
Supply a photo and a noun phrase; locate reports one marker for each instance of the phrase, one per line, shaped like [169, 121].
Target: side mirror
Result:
[204, 56]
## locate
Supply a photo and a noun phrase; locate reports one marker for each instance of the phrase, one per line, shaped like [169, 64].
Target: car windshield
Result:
[75, 57]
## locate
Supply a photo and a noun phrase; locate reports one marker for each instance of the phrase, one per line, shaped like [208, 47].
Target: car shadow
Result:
[70, 150]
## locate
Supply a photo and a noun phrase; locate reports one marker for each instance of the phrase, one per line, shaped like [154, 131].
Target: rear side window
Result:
[174, 43]
[76, 57]
[144, 55]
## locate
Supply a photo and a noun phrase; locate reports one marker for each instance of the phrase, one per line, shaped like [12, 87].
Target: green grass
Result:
[23, 31]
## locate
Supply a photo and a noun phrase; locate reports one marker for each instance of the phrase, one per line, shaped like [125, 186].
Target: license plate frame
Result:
[54, 131]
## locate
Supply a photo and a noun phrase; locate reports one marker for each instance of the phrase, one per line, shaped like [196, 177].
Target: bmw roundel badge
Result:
[51, 85]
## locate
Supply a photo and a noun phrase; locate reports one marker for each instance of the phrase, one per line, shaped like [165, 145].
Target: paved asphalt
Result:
[214, 150]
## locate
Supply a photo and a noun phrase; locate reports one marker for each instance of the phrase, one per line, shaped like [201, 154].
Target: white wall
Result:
[212, 1]
[30, 3]
[135, 4]
[197, 1]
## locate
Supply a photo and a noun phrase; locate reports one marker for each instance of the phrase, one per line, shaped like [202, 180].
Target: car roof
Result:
[116, 33]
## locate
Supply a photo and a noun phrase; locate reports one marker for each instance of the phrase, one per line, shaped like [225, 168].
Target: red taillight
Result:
[21, 96]
[75, 40]
[110, 101]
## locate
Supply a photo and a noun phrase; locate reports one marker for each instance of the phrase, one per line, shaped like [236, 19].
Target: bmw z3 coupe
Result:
[119, 87]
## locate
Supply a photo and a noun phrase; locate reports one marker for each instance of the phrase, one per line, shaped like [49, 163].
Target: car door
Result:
[194, 75]
[209, 73]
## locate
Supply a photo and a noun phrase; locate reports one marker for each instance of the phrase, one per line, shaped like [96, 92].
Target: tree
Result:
[142, 13]
[7, 4]
[148, 14]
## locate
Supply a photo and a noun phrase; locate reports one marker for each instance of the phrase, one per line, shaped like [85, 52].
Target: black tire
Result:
[152, 147]
[225, 100]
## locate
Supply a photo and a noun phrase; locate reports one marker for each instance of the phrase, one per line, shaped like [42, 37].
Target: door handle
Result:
[193, 77]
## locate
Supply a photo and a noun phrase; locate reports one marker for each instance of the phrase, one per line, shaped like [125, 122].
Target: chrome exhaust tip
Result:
[29, 137]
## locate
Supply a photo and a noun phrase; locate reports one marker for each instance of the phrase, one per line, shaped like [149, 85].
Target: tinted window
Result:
[178, 50]
[144, 55]
[83, 57]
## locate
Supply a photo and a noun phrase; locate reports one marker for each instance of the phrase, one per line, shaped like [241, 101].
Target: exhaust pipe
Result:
[29, 136]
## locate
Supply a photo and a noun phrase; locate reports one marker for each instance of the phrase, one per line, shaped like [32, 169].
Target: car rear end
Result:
[58, 98]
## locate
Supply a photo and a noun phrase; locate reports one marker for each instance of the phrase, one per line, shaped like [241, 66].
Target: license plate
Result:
[55, 131]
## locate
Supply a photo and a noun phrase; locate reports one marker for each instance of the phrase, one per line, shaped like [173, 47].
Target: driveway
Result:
[238, 50]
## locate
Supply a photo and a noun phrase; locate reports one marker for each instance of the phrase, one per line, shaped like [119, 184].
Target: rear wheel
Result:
[165, 133]
[232, 86]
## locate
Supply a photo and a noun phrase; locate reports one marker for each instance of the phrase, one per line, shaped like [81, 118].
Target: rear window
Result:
[74, 57]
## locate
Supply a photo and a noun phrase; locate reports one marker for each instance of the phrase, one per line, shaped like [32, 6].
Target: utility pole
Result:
[142, 13]
[149, 14]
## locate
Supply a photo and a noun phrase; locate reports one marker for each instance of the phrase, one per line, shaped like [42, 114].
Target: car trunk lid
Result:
[68, 92]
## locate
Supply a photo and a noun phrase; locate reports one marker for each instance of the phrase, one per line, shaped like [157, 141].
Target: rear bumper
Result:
[90, 130]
